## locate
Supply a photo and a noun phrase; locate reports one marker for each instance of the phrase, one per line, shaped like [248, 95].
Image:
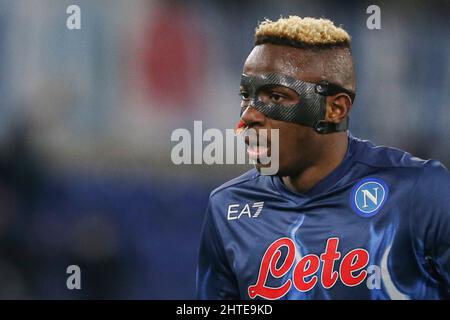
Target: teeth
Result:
[257, 151]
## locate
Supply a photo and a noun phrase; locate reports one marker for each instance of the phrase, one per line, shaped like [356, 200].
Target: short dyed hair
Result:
[305, 33]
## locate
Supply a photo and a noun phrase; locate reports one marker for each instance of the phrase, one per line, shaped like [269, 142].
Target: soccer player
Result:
[342, 218]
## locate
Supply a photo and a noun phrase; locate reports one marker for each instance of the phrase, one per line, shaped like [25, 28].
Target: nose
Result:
[252, 117]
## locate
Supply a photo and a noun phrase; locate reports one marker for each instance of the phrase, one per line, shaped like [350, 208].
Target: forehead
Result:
[297, 63]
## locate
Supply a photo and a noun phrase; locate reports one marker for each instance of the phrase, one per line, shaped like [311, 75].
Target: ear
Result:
[338, 107]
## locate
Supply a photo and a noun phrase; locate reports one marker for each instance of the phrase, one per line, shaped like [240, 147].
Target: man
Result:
[342, 218]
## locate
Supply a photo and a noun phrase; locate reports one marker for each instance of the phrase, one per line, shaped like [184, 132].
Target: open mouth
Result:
[254, 150]
[257, 152]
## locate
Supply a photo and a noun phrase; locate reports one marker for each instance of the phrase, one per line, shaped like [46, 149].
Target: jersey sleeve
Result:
[215, 279]
[431, 220]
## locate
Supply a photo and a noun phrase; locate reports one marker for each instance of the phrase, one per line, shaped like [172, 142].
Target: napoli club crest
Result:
[368, 196]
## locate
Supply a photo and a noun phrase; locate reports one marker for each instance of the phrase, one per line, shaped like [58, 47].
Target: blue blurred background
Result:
[86, 117]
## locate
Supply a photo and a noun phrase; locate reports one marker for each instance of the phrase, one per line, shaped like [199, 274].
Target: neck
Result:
[329, 159]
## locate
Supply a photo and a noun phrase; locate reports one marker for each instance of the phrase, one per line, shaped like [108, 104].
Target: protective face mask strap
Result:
[310, 111]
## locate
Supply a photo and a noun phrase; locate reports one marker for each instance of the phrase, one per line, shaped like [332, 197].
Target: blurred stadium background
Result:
[86, 118]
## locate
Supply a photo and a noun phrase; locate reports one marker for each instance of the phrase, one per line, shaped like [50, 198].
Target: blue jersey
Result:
[377, 227]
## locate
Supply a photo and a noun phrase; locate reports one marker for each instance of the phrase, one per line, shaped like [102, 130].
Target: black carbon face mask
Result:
[309, 111]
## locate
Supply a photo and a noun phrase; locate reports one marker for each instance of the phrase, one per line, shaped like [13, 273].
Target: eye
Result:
[275, 97]
[244, 95]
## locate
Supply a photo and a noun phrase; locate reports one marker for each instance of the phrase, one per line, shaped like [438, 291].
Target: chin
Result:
[266, 167]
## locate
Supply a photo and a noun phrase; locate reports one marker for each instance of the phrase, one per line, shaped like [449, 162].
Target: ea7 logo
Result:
[236, 211]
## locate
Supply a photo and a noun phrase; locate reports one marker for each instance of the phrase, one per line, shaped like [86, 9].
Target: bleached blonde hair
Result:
[302, 32]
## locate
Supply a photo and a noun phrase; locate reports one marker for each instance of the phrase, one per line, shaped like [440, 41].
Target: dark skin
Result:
[305, 156]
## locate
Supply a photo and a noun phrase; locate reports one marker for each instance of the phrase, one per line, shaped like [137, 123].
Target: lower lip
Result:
[257, 152]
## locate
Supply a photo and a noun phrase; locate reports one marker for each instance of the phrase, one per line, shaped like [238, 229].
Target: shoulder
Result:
[420, 176]
[434, 181]
[429, 205]
[388, 157]
[237, 182]
[383, 156]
